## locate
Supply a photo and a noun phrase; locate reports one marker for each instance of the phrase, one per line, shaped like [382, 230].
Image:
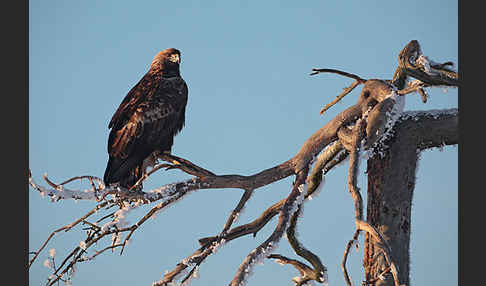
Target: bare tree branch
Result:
[343, 73]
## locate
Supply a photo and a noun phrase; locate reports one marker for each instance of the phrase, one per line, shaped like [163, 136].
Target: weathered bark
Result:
[391, 182]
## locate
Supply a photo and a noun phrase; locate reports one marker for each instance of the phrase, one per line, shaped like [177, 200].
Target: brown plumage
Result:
[147, 120]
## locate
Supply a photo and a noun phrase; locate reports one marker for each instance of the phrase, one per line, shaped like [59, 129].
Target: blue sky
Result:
[251, 106]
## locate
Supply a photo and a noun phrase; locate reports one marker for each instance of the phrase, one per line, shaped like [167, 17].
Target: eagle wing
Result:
[148, 118]
[134, 97]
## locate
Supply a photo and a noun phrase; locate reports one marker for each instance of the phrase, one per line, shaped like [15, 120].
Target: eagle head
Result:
[166, 60]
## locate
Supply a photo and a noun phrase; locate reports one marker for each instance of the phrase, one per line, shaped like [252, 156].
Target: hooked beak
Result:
[175, 58]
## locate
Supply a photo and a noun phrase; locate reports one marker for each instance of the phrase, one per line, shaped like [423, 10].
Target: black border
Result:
[14, 135]
[471, 219]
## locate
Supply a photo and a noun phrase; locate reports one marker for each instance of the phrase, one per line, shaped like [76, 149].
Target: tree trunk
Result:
[391, 183]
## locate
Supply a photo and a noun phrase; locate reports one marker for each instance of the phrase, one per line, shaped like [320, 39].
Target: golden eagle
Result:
[145, 123]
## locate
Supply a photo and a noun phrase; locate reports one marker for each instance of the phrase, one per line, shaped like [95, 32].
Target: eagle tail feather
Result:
[126, 172]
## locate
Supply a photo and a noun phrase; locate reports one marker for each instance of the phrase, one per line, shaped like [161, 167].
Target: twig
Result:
[343, 73]
[319, 272]
[77, 252]
[98, 252]
[345, 257]
[66, 228]
[236, 212]
[80, 178]
[105, 217]
[249, 228]
[341, 96]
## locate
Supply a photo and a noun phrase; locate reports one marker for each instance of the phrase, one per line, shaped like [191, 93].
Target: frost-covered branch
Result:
[66, 228]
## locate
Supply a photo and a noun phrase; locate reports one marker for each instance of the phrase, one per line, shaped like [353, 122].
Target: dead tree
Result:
[376, 124]
[391, 182]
